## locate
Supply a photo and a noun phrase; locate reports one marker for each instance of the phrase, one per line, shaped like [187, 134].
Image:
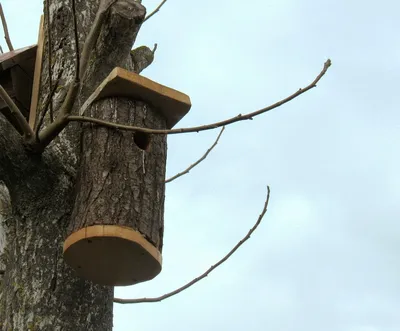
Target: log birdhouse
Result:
[116, 230]
[17, 70]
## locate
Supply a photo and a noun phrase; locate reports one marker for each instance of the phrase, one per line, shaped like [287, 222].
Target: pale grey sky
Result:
[326, 256]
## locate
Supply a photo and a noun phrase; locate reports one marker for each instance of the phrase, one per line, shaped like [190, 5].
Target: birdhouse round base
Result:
[112, 255]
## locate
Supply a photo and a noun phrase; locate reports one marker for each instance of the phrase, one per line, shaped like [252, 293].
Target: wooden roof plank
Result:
[172, 104]
[16, 57]
[37, 75]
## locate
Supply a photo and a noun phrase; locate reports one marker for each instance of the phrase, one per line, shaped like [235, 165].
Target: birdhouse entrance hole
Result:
[142, 140]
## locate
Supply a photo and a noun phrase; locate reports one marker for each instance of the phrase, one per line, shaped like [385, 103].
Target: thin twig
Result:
[51, 132]
[229, 121]
[198, 161]
[49, 72]
[77, 52]
[14, 111]
[6, 35]
[46, 105]
[1, 50]
[206, 273]
[155, 10]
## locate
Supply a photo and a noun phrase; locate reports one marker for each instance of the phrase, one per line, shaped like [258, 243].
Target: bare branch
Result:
[198, 161]
[46, 105]
[51, 132]
[1, 50]
[237, 118]
[50, 73]
[206, 273]
[15, 113]
[76, 37]
[155, 10]
[94, 32]
[6, 35]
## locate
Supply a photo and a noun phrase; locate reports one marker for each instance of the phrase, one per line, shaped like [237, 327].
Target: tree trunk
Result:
[38, 291]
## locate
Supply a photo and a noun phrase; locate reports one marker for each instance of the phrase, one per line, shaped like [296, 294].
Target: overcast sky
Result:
[327, 255]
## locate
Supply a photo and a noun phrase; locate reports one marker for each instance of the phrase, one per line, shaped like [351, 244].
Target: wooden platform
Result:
[112, 255]
[172, 104]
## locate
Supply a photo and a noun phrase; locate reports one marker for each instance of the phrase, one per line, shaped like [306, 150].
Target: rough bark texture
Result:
[38, 291]
[118, 182]
[5, 212]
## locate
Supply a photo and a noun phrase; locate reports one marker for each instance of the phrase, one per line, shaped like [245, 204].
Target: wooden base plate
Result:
[112, 255]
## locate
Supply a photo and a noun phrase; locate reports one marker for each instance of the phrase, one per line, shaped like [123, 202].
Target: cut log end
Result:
[112, 255]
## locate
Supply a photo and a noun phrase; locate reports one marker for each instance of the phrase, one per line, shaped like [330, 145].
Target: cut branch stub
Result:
[117, 225]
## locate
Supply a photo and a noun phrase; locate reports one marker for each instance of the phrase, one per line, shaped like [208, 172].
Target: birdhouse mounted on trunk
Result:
[117, 224]
[17, 70]
[116, 229]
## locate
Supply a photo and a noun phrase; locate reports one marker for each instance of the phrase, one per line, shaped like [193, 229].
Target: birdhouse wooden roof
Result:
[172, 104]
[17, 70]
[24, 57]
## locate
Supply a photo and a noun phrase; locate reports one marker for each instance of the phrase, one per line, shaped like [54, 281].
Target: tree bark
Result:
[126, 187]
[38, 291]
